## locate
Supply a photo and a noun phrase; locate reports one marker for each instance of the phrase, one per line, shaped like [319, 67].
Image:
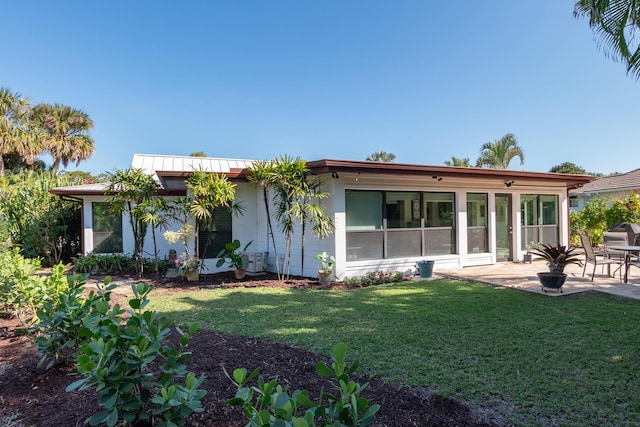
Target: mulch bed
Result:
[36, 396]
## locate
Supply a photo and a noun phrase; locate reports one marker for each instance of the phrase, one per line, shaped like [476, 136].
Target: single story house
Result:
[608, 188]
[387, 216]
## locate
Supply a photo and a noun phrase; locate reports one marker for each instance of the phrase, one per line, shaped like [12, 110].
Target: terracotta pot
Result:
[240, 273]
[324, 277]
[192, 275]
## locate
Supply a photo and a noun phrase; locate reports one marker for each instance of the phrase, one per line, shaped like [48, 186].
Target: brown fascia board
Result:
[233, 174]
[382, 168]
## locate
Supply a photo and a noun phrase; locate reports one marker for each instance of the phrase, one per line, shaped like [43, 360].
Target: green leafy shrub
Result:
[23, 291]
[374, 278]
[114, 264]
[269, 404]
[60, 330]
[133, 372]
[44, 225]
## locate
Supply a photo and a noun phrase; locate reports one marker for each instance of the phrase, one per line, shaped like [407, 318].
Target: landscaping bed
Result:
[36, 397]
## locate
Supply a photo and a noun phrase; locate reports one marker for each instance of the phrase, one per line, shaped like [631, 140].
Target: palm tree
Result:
[466, 163]
[498, 154]
[381, 156]
[130, 191]
[15, 137]
[65, 133]
[617, 24]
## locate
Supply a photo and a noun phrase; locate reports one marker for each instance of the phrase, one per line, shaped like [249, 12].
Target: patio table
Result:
[627, 257]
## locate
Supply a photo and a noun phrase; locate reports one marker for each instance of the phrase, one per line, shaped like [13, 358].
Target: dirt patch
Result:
[36, 397]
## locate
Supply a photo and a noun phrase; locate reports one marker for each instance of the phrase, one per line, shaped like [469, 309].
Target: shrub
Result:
[269, 404]
[374, 278]
[133, 372]
[113, 264]
[59, 332]
[23, 292]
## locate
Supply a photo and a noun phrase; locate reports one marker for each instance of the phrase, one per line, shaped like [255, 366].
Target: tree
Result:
[616, 23]
[64, 132]
[15, 137]
[261, 173]
[498, 154]
[458, 162]
[568, 167]
[293, 201]
[130, 191]
[209, 192]
[381, 156]
[42, 224]
[197, 154]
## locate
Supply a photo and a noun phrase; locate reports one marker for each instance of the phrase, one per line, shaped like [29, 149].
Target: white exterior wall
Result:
[253, 225]
[460, 187]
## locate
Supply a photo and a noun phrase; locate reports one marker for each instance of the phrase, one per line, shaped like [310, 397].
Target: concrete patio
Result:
[523, 276]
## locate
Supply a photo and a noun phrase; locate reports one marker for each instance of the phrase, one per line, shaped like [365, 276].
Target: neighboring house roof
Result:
[608, 184]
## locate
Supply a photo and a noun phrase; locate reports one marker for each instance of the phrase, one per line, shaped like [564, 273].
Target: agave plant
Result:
[557, 256]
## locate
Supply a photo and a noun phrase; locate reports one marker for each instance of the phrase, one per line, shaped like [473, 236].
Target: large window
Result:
[477, 223]
[397, 224]
[213, 236]
[439, 231]
[364, 225]
[539, 217]
[107, 229]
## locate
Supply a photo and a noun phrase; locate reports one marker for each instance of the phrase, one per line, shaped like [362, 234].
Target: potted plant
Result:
[325, 273]
[236, 257]
[186, 265]
[189, 266]
[557, 257]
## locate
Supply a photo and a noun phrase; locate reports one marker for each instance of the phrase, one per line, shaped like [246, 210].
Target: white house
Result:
[387, 215]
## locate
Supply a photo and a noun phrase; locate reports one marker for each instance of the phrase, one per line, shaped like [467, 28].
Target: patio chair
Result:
[615, 238]
[597, 259]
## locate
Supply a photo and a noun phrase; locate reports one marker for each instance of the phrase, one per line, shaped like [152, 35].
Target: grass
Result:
[570, 361]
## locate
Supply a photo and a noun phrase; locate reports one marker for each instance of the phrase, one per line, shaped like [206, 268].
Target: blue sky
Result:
[255, 79]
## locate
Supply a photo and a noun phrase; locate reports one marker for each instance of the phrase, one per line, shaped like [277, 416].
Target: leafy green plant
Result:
[44, 225]
[22, 291]
[374, 278]
[234, 254]
[269, 404]
[328, 261]
[133, 372]
[60, 331]
[113, 264]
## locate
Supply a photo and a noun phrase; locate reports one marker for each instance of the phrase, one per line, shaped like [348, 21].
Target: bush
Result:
[23, 292]
[374, 278]
[134, 373]
[113, 264]
[269, 404]
[59, 332]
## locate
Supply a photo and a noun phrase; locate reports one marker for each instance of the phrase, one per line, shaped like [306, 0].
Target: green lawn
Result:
[543, 361]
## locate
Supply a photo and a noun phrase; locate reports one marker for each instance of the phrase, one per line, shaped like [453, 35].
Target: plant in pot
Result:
[325, 273]
[236, 257]
[189, 266]
[557, 257]
[186, 265]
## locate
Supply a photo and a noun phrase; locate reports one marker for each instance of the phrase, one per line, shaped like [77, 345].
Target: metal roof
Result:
[151, 163]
